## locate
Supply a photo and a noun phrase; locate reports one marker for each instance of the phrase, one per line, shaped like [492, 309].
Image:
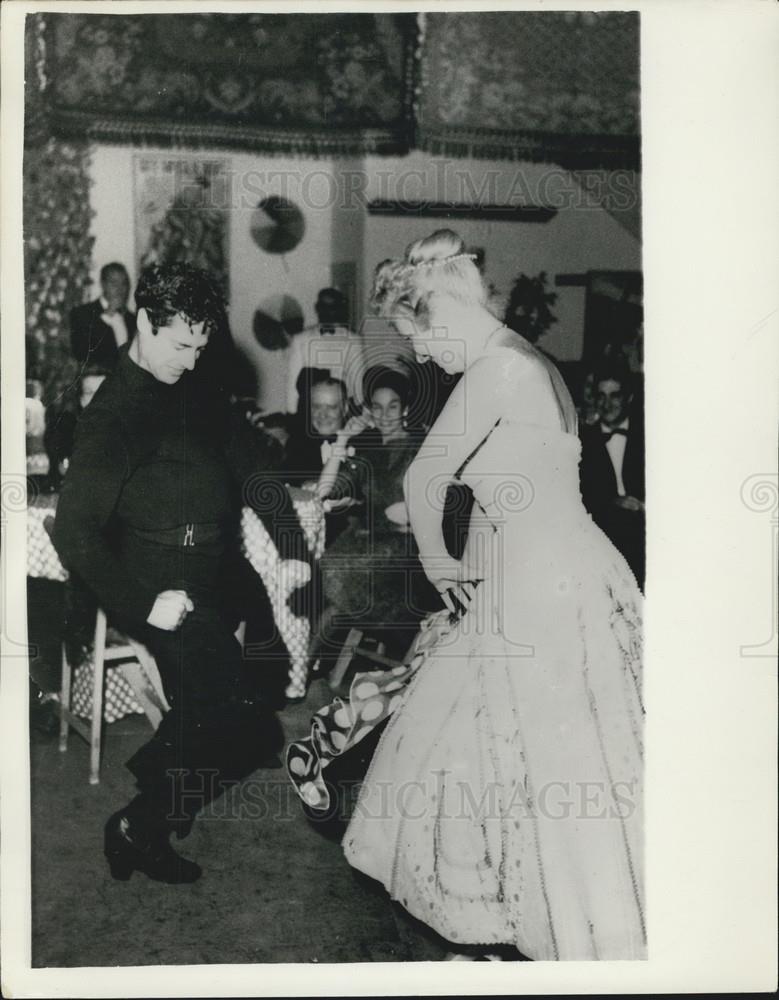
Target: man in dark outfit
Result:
[612, 465]
[147, 519]
[99, 329]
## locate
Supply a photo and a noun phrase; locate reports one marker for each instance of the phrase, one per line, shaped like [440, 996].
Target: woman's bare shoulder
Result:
[511, 358]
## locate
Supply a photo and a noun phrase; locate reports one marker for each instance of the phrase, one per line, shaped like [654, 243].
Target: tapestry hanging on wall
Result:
[554, 86]
[294, 83]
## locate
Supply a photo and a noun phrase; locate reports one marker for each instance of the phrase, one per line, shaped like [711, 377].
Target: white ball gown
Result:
[504, 801]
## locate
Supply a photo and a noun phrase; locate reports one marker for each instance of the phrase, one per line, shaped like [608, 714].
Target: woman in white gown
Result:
[503, 804]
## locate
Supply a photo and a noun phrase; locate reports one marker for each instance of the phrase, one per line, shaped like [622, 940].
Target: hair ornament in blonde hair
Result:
[440, 261]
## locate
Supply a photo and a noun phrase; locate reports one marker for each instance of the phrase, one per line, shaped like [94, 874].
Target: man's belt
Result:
[195, 535]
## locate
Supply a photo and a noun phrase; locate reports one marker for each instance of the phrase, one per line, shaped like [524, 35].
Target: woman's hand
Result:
[354, 426]
[629, 503]
[461, 594]
[452, 579]
[344, 503]
[304, 493]
[444, 572]
[444, 568]
[441, 569]
[338, 453]
[397, 515]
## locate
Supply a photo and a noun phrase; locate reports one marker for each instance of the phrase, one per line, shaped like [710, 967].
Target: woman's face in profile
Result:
[430, 323]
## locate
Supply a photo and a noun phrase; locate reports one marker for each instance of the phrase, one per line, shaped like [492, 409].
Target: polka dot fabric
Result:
[373, 697]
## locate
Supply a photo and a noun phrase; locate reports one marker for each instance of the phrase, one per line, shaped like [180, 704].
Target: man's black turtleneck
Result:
[150, 458]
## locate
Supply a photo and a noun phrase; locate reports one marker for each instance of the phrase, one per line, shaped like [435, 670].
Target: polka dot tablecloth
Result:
[337, 727]
[281, 577]
[43, 563]
[118, 696]
[42, 559]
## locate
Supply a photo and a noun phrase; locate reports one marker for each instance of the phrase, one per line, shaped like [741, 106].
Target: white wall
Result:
[333, 194]
[255, 276]
[579, 238]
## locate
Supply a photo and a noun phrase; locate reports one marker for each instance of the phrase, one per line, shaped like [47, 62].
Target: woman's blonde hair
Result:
[389, 286]
[437, 263]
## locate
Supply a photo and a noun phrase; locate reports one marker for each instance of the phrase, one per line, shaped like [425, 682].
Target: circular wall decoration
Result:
[276, 320]
[277, 225]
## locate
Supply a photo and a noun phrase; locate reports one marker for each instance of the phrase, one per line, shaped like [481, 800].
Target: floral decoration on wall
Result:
[288, 82]
[56, 226]
[559, 86]
[57, 256]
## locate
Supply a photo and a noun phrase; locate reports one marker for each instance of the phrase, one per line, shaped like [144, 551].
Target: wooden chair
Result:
[353, 647]
[142, 675]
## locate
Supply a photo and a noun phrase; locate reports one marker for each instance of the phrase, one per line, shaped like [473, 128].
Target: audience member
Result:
[371, 575]
[329, 345]
[61, 425]
[612, 465]
[35, 429]
[99, 328]
[324, 410]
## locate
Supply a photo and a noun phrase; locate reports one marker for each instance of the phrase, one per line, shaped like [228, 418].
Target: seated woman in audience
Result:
[371, 575]
[61, 423]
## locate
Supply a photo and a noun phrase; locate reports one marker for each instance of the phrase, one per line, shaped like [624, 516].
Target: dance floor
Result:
[275, 888]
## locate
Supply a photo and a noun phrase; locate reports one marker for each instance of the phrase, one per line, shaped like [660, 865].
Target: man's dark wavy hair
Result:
[614, 370]
[167, 290]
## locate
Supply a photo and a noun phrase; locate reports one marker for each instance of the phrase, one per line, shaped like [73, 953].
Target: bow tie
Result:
[608, 435]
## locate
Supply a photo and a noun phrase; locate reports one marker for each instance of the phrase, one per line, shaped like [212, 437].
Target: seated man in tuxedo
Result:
[612, 465]
[329, 345]
[98, 329]
[325, 412]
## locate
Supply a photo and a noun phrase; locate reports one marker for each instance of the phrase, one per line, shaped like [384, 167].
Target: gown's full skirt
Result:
[504, 801]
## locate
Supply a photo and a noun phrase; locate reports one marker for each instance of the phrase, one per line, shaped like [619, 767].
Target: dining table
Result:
[43, 563]
[280, 577]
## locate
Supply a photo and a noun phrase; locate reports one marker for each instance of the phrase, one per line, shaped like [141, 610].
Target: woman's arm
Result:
[471, 412]
[329, 475]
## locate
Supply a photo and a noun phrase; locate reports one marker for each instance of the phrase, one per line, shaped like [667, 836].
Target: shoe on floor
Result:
[131, 845]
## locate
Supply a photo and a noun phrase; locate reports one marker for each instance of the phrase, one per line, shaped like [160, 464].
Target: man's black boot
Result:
[133, 844]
